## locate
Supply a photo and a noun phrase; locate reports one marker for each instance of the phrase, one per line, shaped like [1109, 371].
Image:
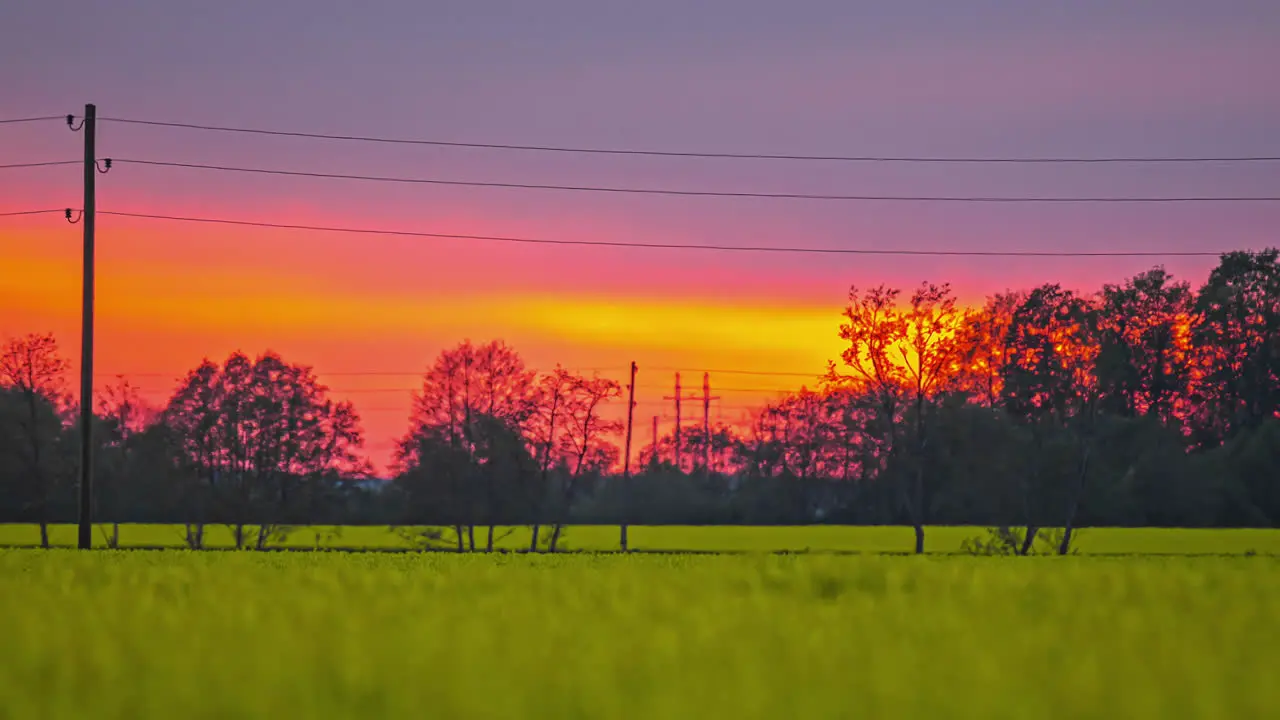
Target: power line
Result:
[41, 118]
[659, 246]
[177, 376]
[656, 388]
[40, 164]
[691, 154]
[366, 391]
[417, 388]
[724, 406]
[348, 373]
[408, 406]
[776, 373]
[698, 193]
[32, 212]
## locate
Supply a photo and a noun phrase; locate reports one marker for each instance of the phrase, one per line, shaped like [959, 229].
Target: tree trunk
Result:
[1065, 547]
[1073, 504]
[917, 506]
[195, 536]
[917, 492]
[1029, 482]
[471, 537]
[555, 537]
[1029, 540]
[489, 545]
[457, 529]
[38, 469]
[624, 537]
[546, 464]
[114, 542]
[239, 536]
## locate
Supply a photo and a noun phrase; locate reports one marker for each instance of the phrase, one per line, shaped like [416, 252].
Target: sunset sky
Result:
[978, 78]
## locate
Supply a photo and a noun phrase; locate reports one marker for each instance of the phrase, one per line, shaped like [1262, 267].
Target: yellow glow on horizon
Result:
[154, 298]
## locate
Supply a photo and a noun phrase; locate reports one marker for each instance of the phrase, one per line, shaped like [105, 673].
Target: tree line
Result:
[1147, 402]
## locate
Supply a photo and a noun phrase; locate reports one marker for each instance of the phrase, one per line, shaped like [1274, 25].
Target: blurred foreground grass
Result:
[322, 635]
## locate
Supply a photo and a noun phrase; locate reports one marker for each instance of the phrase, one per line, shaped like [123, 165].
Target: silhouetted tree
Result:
[1051, 384]
[1144, 361]
[903, 358]
[464, 383]
[983, 348]
[32, 379]
[583, 444]
[256, 433]
[548, 422]
[1146, 403]
[1237, 334]
[122, 416]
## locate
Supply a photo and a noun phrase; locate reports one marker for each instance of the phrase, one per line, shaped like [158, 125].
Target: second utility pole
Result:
[653, 458]
[706, 422]
[626, 458]
[676, 397]
[85, 539]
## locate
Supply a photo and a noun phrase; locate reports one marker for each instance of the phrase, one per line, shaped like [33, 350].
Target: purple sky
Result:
[1093, 78]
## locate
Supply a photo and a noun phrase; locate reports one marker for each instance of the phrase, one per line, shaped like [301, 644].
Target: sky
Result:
[909, 78]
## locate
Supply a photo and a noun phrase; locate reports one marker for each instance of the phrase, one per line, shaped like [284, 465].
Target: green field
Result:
[813, 538]
[321, 635]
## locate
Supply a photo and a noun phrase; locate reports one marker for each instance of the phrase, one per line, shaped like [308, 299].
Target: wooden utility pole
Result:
[626, 461]
[653, 459]
[631, 406]
[676, 397]
[85, 539]
[706, 421]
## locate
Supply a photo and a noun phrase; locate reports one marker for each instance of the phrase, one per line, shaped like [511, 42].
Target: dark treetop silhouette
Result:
[1146, 403]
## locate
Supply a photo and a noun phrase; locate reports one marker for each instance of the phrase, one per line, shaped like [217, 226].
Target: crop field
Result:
[323, 635]
[812, 538]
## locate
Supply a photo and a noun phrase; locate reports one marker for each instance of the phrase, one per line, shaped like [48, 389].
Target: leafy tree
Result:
[1251, 463]
[123, 416]
[547, 424]
[1156, 404]
[1237, 330]
[1144, 361]
[931, 356]
[983, 348]
[903, 358]
[584, 443]
[258, 434]
[464, 384]
[876, 332]
[1050, 383]
[1150, 477]
[469, 380]
[32, 380]
[975, 458]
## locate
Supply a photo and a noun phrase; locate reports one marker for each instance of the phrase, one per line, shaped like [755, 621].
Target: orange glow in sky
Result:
[370, 313]
[161, 310]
